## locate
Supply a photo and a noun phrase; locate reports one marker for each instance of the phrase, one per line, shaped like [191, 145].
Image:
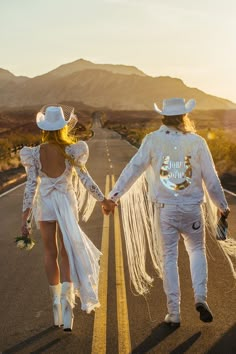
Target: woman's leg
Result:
[65, 266]
[48, 233]
[67, 291]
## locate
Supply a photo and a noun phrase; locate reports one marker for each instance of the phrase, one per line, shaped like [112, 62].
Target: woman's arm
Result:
[30, 186]
[92, 187]
[89, 183]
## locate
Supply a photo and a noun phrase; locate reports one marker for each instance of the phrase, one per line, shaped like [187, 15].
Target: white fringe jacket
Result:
[170, 167]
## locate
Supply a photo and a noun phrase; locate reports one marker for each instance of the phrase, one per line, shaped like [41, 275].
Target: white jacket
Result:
[176, 165]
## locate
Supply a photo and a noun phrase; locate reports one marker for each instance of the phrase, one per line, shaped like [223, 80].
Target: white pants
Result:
[188, 221]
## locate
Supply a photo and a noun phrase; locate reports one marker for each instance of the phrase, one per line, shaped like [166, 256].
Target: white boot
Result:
[173, 320]
[67, 304]
[55, 291]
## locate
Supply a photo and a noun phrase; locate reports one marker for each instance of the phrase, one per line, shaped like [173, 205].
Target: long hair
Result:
[61, 138]
[180, 122]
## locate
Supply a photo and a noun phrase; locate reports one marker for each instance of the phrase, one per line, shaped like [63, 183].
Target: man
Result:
[177, 164]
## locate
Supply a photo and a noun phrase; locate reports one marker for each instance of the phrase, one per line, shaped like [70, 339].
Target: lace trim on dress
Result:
[28, 160]
[87, 191]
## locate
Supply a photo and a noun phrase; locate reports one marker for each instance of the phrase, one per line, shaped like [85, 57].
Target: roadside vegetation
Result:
[18, 128]
[217, 127]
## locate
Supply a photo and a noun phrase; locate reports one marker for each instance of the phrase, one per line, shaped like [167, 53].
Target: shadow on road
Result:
[33, 340]
[226, 344]
[183, 347]
[158, 334]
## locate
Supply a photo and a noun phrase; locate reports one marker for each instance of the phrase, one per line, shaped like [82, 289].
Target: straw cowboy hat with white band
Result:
[175, 106]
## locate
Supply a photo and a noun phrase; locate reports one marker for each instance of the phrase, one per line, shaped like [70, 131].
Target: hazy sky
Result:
[190, 39]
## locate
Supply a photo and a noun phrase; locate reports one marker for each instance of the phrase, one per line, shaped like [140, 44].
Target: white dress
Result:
[57, 199]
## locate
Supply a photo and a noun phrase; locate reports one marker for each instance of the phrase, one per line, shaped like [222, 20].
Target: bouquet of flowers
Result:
[25, 241]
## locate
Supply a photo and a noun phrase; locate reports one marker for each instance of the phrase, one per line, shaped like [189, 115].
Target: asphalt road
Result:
[125, 323]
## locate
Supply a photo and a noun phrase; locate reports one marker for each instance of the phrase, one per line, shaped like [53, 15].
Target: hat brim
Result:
[44, 125]
[189, 106]
[156, 108]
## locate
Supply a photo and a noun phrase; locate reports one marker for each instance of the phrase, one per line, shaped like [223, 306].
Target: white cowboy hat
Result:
[175, 106]
[52, 118]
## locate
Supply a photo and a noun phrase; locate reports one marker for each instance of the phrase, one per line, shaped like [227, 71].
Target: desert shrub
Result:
[223, 149]
[221, 142]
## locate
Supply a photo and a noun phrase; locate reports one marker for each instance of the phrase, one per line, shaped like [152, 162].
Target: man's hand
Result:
[108, 206]
[225, 213]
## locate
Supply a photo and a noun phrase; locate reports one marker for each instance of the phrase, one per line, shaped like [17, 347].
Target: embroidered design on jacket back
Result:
[176, 175]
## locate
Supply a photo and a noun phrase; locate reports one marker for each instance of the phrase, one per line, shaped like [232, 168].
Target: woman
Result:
[50, 194]
[177, 163]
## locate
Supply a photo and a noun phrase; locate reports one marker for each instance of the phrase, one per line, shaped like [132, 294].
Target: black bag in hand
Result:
[222, 228]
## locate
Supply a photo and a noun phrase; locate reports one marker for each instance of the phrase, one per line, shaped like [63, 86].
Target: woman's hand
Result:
[24, 230]
[24, 226]
[108, 206]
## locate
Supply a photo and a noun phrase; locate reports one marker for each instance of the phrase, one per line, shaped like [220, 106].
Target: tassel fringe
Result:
[141, 224]
[228, 246]
[86, 202]
[138, 216]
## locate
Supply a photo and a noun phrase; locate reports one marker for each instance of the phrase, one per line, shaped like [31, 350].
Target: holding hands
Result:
[108, 206]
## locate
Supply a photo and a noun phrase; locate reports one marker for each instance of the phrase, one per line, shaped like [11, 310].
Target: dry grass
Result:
[7, 164]
[217, 127]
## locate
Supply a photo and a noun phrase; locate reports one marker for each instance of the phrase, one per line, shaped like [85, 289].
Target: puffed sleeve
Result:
[27, 160]
[80, 153]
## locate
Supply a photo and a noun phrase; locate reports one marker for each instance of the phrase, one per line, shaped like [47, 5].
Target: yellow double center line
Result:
[124, 344]
[100, 320]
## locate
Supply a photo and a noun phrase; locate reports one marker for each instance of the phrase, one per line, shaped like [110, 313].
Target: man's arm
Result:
[137, 165]
[211, 179]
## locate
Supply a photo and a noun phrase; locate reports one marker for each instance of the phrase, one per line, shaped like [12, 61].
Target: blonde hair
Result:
[181, 122]
[61, 138]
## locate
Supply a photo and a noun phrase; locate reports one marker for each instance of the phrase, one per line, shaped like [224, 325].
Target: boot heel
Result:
[55, 291]
[67, 315]
[57, 315]
[67, 304]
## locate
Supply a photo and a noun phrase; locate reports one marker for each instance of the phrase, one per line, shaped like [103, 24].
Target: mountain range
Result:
[101, 86]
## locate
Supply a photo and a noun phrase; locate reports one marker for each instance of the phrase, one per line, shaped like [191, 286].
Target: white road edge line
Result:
[11, 190]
